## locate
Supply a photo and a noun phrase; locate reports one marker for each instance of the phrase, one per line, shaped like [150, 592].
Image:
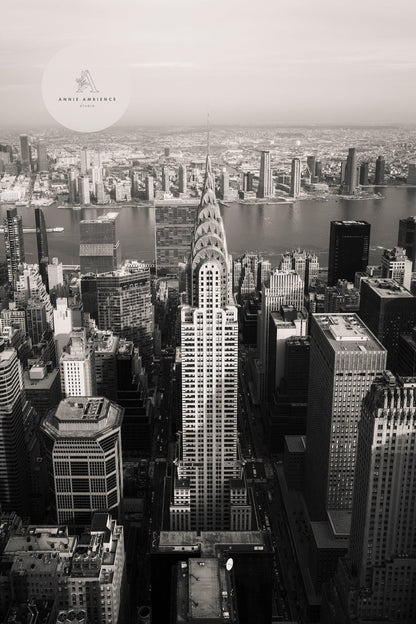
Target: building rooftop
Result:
[41, 383]
[295, 443]
[110, 216]
[325, 538]
[388, 288]
[208, 543]
[6, 355]
[350, 222]
[347, 332]
[41, 539]
[83, 417]
[340, 522]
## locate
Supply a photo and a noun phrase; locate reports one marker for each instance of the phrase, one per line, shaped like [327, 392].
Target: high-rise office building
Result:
[85, 161]
[295, 178]
[379, 175]
[77, 366]
[311, 164]
[165, 179]
[42, 156]
[209, 492]
[14, 464]
[13, 242]
[265, 188]
[73, 186]
[349, 245]
[55, 276]
[344, 359]
[411, 174]
[407, 238]
[99, 247]
[318, 170]
[282, 288]
[149, 184]
[83, 452]
[84, 190]
[105, 347]
[377, 580]
[29, 286]
[42, 387]
[121, 300]
[388, 310]
[224, 184]
[350, 183]
[25, 154]
[182, 179]
[396, 265]
[173, 235]
[42, 245]
[364, 173]
[305, 263]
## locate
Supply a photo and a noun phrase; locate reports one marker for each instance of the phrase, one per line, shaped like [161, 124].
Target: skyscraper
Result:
[182, 179]
[14, 463]
[388, 310]
[265, 188]
[305, 263]
[364, 173]
[165, 179]
[13, 242]
[295, 178]
[397, 266]
[99, 248]
[72, 186]
[84, 190]
[377, 580]
[121, 300]
[379, 175]
[173, 234]
[282, 288]
[350, 172]
[149, 188]
[349, 245]
[25, 153]
[77, 365]
[344, 359]
[407, 238]
[42, 156]
[311, 163]
[209, 493]
[83, 453]
[42, 245]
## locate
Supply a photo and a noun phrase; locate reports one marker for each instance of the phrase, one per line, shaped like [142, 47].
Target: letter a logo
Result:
[86, 82]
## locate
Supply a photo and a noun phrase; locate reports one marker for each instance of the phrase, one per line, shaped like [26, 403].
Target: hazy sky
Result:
[246, 61]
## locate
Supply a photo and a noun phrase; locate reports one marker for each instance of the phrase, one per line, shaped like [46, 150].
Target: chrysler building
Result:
[209, 491]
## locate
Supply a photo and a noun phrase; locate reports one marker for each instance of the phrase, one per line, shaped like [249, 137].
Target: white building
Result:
[77, 366]
[208, 465]
[396, 265]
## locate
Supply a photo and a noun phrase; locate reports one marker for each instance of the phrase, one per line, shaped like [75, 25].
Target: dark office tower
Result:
[265, 188]
[344, 359]
[349, 245]
[311, 163]
[14, 463]
[122, 302]
[167, 152]
[350, 173]
[318, 170]
[42, 245]
[99, 248]
[25, 153]
[407, 238]
[388, 310]
[13, 241]
[376, 582]
[379, 177]
[173, 235]
[42, 387]
[165, 179]
[295, 178]
[364, 173]
[42, 157]
[343, 171]
[182, 179]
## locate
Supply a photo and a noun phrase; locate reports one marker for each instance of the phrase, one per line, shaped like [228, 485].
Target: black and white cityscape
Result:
[208, 319]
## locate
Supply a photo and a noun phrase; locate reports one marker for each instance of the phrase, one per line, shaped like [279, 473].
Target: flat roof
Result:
[340, 522]
[347, 332]
[83, 417]
[295, 443]
[207, 542]
[40, 384]
[325, 538]
[204, 588]
[388, 288]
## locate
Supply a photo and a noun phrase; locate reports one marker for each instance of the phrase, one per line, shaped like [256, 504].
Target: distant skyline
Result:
[264, 63]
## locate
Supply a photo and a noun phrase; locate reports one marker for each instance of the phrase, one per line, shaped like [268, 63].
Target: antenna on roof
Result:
[208, 136]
